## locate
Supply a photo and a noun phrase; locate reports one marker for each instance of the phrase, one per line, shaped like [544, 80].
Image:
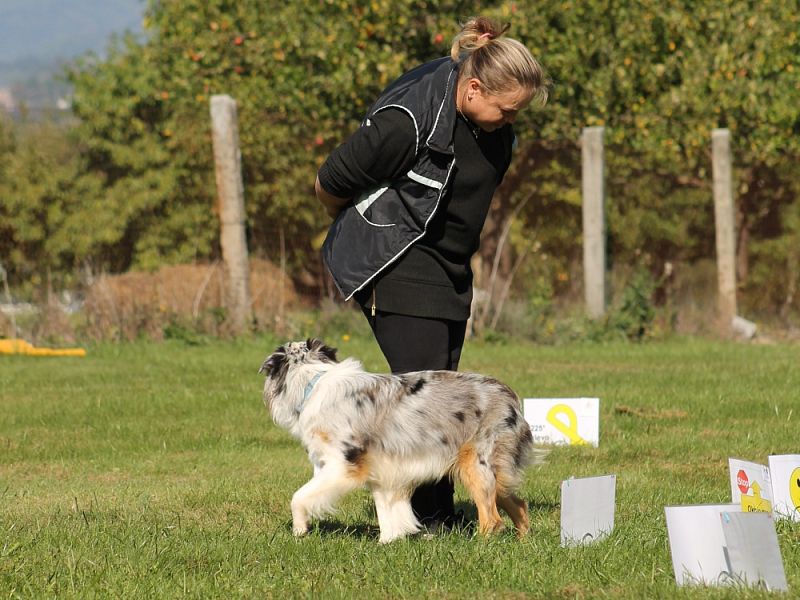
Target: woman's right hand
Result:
[333, 204]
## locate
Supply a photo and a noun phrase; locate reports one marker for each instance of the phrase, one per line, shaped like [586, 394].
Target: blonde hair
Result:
[501, 64]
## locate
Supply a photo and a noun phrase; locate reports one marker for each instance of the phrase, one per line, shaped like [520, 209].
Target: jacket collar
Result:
[442, 134]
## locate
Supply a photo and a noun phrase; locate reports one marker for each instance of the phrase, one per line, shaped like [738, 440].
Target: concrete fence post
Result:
[230, 194]
[594, 221]
[724, 221]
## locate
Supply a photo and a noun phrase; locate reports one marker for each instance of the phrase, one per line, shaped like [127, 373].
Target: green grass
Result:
[153, 470]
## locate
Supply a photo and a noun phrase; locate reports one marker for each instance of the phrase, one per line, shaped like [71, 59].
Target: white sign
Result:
[785, 474]
[750, 485]
[697, 543]
[563, 420]
[587, 509]
[754, 555]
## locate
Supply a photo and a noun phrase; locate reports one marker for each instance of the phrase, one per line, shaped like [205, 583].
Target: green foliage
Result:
[634, 317]
[302, 75]
[43, 184]
[155, 207]
[773, 280]
[137, 188]
[332, 321]
[180, 332]
[660, 77]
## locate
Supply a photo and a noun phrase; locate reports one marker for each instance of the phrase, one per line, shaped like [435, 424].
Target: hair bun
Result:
[475, 34]
[505, 64]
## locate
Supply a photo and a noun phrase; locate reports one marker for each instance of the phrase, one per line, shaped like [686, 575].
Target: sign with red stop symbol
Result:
[742, 481]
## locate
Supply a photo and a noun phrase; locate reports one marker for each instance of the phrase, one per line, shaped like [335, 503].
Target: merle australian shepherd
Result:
[394, 432]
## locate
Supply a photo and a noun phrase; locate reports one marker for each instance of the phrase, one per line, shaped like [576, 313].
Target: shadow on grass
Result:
[543, 506]
[468, 522]
[330, 528]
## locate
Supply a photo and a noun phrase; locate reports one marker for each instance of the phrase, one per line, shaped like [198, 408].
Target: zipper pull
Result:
[373, 301]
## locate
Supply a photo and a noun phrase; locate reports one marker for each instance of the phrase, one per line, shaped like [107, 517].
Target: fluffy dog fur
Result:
[394, 432]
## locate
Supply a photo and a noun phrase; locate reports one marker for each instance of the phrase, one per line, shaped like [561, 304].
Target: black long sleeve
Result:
[378, 151]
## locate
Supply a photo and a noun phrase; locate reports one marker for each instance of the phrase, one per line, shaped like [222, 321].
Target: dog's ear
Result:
[273, 362]
[328, 352]
[316, 345]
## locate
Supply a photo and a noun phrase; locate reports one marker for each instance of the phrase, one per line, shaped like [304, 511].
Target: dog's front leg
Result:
[319, 495]
[395, 516]
[300, 515]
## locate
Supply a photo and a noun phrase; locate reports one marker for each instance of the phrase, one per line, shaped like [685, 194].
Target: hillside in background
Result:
[38, 36]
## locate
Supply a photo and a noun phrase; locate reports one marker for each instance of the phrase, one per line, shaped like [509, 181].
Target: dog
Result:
[395, 432]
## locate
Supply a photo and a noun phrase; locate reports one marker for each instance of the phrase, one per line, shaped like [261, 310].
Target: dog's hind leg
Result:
[320, 495]
[475, 473]
[517, 509]
[395, 516]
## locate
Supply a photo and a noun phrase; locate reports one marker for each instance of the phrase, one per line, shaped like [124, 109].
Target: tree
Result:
[302, 75]
[42, 186]
[660, 77]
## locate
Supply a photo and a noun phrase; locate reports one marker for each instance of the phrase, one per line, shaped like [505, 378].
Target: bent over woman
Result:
[409, 192]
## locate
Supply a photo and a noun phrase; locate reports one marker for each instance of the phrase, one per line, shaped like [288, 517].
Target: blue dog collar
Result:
[308, 390]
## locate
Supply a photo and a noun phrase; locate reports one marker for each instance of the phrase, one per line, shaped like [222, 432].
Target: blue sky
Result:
[61, 29]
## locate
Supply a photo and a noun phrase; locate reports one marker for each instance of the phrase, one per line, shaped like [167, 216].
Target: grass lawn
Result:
[153, 470]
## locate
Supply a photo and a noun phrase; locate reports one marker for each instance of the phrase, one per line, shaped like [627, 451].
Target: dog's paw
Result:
[300, 516]
[389, 538]
[490, 526]
[389, 535]
[299, 529]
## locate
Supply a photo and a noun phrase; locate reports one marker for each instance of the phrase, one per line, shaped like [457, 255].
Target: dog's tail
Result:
[514, 449]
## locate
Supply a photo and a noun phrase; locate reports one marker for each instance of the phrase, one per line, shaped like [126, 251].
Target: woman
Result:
[410, 190]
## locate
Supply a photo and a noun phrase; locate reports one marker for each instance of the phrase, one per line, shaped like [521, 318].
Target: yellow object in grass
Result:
[755, 503]
[17, 346]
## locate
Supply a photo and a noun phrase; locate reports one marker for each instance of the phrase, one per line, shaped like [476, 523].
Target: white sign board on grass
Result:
[784, 470]
[753, 551]
[563, 420]
[750, 485]
[587, 509]
[718, 544]
[697, 543]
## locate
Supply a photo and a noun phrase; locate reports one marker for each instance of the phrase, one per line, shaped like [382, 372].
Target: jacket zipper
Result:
[373, 300]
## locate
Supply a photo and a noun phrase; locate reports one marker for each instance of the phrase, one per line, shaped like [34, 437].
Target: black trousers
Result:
[418, 344]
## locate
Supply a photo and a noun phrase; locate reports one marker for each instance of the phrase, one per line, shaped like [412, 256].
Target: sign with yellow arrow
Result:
[751, 486]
